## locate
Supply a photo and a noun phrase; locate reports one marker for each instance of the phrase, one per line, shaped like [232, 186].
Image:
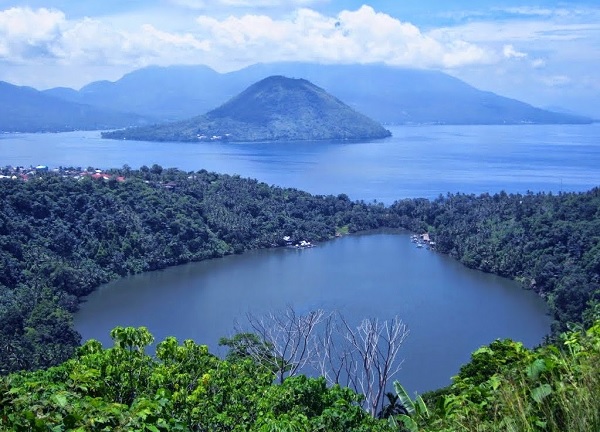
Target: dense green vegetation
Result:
[275, 108]
[506, 387]
[63, 235]
[184, 388]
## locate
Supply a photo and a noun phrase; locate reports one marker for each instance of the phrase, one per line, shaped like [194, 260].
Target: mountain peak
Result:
[274, 108]
[277, 96]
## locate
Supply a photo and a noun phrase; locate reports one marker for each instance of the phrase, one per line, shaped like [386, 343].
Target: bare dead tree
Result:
[332, 353]
[364, 358]
[375, 357]
[289, 338]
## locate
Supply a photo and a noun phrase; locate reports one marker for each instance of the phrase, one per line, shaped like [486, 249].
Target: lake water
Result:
[417, 161]
[450, 310]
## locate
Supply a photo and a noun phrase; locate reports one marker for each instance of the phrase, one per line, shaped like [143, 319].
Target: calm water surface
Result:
[417, 161]
[449, 309]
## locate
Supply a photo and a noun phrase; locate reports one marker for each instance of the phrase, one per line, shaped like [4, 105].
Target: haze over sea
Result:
[417, 161]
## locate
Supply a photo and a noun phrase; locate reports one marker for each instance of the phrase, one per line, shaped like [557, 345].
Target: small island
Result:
[274, 109]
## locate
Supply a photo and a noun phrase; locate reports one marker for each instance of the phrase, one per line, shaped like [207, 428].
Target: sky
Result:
[543, 52]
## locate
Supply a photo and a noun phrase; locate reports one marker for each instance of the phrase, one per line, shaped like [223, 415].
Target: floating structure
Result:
[303, 245]
[423, 240]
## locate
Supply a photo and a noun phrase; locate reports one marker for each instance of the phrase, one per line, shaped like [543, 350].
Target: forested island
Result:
[272, 109]
[63, 234]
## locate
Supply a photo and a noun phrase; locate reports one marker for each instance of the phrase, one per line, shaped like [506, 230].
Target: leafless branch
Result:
[290, 338]
[364, 358]
[374, 352]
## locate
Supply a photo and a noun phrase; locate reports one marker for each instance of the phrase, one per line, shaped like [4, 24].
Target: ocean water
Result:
[417, 161]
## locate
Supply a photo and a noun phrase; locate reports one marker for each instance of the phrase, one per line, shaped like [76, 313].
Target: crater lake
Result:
[449, 310]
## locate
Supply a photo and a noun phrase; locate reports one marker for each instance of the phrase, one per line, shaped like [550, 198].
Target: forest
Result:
[61, 236]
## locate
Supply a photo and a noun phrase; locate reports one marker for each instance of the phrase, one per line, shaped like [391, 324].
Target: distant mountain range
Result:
[24, 109]
[387, 94]
[275, 108]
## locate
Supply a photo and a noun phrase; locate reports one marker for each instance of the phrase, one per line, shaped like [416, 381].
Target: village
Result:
[28, 173]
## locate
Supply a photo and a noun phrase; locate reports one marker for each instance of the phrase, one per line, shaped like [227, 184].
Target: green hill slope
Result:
[24, 109]
[275, 108]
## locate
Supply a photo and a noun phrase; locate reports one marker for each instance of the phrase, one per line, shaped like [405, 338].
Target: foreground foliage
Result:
[182, 388]
[510, 388]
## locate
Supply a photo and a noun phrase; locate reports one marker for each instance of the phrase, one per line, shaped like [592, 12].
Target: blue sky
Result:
[543, 52]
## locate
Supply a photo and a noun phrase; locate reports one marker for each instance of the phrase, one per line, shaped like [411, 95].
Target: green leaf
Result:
[408, 423]
[405, 399]
[540, 393]
[483, 350]
[421, 407]
[535, 369]
[60, 399]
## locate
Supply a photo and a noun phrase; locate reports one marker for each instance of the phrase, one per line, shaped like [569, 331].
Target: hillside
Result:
[164, 93]
[394, 95]
[275, 108]
[505, 387]
[388, 94]
[24, 109]
[56, 246]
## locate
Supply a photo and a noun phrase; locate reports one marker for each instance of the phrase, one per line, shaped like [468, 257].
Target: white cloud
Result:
[216, 4]
[44, 36]
[532, 11]
[556, 49]
[265, 3]
[190, 4]
[89, 40]
[25, 32]
[25, 23]
[538, 63]
[359, 36]
[509, 51]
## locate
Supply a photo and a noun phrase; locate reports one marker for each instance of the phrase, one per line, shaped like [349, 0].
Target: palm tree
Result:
[393, 408]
